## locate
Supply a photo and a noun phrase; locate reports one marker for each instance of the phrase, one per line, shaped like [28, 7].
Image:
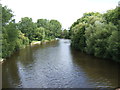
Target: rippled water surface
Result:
[56, 65]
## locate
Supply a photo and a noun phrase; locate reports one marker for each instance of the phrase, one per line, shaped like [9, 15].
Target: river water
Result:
[56, 65]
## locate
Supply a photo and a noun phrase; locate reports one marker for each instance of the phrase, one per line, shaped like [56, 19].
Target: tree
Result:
[43, 23]
[78, 38]
[12, 38]
[56, 26]
[114, 45]
[113, 16]
[65, 34]
[27, 27]
[98, 34]
[6, 15]
[52, 27]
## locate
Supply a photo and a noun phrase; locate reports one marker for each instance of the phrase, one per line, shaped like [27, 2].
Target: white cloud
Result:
[65, 11]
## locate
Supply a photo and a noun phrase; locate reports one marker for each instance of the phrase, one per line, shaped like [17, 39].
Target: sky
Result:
[65, 11]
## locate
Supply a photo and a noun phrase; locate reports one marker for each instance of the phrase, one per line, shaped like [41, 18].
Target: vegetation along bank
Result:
[94, 33]
[17, 35]
[98, 34]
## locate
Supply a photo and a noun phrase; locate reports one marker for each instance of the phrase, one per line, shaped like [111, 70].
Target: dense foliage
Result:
[94, 33]
[18, 35]
[12, 38]
[65, 34]
[98, 34]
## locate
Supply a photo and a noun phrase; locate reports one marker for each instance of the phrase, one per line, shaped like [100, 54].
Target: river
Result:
[56, 65]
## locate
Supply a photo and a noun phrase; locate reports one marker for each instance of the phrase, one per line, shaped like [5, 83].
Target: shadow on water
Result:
[102, 73]
[13, 67]
[56, 65]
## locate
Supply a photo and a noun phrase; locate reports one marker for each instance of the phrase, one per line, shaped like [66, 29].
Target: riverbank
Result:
[42, 42]
[33, 43]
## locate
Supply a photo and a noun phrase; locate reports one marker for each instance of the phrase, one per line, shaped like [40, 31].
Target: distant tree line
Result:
[98, 34]
[18, 35]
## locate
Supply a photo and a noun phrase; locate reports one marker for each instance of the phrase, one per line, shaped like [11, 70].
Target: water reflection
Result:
[10, 73]
[56, 65]
[102, 73]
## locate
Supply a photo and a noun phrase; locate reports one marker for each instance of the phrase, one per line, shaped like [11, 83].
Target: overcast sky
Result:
[65, 11]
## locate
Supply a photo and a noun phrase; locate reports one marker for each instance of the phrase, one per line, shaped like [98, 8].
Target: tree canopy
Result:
[98, 34]
[17, 35]
[94, 33]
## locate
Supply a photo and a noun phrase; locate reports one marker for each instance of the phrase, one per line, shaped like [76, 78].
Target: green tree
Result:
[6, 15]
[65, 34]
[43, 23]
[78, 38]
[98, 34]
[114, 45]
[27, 27]
[113, 16]
[52, 27]
[56, 26]
[12, 38]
